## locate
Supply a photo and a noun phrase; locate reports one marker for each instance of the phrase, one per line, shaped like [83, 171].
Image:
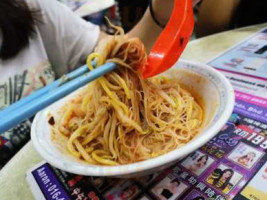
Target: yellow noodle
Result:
[74, 136]
[83, 152]
[121, 118]
[101, 159]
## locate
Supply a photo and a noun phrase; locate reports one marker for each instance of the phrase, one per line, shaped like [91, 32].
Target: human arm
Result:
[215, 16]
[68, 39]
[146, 29]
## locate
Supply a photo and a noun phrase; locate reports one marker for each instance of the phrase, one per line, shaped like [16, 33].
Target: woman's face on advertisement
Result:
[175, 184]
[251, 155]
[226, 174]
[201, 162]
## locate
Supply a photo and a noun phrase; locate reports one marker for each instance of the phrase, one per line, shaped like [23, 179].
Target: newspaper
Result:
[230, 166]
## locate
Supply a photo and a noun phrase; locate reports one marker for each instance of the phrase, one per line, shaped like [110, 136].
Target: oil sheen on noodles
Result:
[121, 118]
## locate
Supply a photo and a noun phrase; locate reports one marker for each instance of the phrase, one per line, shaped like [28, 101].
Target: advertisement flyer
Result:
[256, 188]
[227, 167]
[248, 58]
[255, 87]
[232, 165]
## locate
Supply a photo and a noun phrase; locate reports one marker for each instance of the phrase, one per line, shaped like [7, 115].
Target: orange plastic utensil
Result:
[172, 41]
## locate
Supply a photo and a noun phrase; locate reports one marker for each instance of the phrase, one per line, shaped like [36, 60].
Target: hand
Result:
[163, 15]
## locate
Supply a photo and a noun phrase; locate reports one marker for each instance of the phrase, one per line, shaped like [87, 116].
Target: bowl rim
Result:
[152, 163]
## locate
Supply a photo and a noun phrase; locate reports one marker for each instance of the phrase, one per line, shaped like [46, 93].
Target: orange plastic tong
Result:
[172, 41]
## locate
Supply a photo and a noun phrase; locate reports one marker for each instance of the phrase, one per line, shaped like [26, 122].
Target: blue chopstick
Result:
[27, 110]
[42, 91]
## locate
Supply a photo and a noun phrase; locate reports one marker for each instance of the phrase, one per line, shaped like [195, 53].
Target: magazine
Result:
[247, 58]
[230, 166]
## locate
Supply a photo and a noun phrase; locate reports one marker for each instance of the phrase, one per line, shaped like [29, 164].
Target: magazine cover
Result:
[230, 166]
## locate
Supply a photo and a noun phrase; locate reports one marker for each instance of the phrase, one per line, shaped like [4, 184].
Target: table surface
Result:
[92, 7]
[12, 176]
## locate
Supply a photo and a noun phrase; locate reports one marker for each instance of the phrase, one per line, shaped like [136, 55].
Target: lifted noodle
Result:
[121, 118]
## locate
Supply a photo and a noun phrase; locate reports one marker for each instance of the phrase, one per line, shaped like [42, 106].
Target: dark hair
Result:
[226, 181]
[16, 26]
[204, 156]
[245, 156]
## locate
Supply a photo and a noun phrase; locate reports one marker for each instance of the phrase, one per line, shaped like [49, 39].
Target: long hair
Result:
[204, 156]
[245, 156]
[16, 27]
[176, 181]
[227, 180]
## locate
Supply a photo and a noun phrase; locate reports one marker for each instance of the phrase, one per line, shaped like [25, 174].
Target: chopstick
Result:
[29, 106]
[43, 91]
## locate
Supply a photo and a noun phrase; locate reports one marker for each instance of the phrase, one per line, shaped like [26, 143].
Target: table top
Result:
[12, 176]
[91, 7]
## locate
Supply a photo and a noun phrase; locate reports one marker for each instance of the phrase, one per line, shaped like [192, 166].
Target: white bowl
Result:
[217, 97]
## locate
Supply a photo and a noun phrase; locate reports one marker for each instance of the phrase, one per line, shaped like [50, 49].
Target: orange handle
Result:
[172, 41]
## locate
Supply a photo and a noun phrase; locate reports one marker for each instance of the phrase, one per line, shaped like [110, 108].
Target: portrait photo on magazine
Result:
[197, 162]
[224, 178]
[127, 190]
[245, 156]
[169, 189]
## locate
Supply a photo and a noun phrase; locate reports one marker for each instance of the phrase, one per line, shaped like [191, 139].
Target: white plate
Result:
[210, 85]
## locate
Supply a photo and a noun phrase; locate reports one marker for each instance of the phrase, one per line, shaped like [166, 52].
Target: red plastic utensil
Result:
[172, 41]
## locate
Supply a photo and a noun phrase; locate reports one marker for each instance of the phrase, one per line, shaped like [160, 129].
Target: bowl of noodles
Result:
[122, 125]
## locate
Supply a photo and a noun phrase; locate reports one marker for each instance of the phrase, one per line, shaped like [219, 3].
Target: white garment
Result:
[67, 38]
[62, 39]
[62, 42]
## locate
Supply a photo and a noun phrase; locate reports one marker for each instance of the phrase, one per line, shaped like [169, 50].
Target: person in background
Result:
[222, 15]
[131, 12]
[40, 40]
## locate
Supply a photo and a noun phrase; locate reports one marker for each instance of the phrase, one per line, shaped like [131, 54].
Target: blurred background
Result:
[210, 16]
